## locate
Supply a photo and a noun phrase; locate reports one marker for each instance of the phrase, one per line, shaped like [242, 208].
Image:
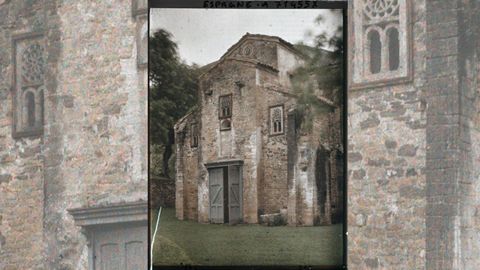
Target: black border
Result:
[222, 4]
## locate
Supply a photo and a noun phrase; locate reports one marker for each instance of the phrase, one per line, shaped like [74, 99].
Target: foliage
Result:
[322, 75]
[173, 88]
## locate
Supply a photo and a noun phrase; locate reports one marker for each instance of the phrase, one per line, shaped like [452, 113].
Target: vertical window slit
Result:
[30, 105]
[375, 51]
[393, 49]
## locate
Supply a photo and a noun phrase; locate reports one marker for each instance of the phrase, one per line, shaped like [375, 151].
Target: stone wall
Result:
[413, 199]
[93, 148]
[217, 145]
[452, 221]
[96, 131]
[21, 160]
[386, 166]
[187, 169]
[267, 158]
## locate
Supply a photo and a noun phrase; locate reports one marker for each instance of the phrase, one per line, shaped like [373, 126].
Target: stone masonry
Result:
[90, 149]
[282, 169]
[413, 135]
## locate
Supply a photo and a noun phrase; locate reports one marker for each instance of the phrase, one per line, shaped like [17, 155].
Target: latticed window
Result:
[381, 33]
[225, 106]
[29, 85]
[194, 135]
[276, 120]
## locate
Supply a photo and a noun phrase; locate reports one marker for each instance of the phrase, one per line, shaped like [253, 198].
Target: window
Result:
[375, 51]
[276, 120]
[29, 85]
[194, 135]
[225, 106]
[225, 124]
[29, 106]
[393, 49]
[381, 37]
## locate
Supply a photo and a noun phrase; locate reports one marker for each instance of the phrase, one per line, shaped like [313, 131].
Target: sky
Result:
[204, 35]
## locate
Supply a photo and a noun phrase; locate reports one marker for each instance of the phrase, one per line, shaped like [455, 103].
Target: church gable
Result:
[260, 48]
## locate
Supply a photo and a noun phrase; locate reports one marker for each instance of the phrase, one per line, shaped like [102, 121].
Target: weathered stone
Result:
[354, 157]
[390, 144]
[407, 150]
[412, 192]
[361, 220]
[5, 178]
[113, 109]
[272, 219]
[68, 101]
[370, 122]
[432, 122]
[371, 263]
[378, 162]
[52, 166]
[359, 174]
[247, 119]
[411, 172]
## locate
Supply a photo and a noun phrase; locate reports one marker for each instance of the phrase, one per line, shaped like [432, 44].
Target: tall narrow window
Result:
[29, 88]
[194, 135]
[375, 51]
[393, 49]
[276, 120]
[30, 109]
[40, 107]
[225, 106]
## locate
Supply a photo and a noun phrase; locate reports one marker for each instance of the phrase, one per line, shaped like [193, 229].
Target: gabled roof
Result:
[276, 39]
[205, 69]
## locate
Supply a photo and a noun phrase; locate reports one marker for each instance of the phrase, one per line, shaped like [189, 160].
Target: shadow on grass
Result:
[191, 243]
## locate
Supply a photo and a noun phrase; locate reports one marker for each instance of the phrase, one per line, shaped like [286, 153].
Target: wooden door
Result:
[120, 247]
[216, 177]
[234, 194]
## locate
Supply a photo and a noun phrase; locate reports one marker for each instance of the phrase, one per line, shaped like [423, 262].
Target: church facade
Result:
[240, 154]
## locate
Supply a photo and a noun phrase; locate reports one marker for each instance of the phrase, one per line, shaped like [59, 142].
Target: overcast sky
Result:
[204, 35]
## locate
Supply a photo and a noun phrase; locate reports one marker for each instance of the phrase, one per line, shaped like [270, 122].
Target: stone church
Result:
[73, 134]
[240, 154]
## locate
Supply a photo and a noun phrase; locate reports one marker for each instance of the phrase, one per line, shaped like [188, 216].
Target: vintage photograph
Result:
[246, 117]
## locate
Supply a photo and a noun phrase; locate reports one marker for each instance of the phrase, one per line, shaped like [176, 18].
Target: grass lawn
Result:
[189, 242]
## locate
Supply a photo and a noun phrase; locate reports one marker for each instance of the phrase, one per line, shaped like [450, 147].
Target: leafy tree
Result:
[323, 70]
[173, 88]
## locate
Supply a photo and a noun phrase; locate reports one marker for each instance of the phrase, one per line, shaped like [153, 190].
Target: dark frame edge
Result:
[343, 5]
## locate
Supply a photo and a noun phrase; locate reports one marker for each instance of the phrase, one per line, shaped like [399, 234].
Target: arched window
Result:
[30, 109]
[276, 120]
[393, 49]
[375, 50]
[225, 124]
[225, 106]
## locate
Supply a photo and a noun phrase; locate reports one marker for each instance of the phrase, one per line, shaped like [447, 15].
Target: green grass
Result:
[192, 243]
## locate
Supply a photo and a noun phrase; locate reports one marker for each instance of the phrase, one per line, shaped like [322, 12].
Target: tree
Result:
[323, 70]
[173, 92]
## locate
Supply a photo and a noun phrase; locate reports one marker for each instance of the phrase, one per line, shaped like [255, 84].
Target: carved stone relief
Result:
[382, 36]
